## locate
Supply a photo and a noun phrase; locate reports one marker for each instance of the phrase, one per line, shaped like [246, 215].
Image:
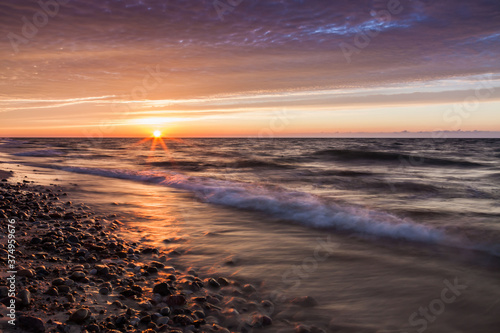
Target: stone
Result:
[182, 320]
[305, 301]
[79, 315]
[177, 300]
[77, 275]
[25, 297]
[162, 289]
[104, 291]
[58, 282]
[63, 289]
[4, 291]
[73, 239]
[31, 324]
[213, 283]
[248, 288]
[165, 311]
[26, 272]
[223, 281]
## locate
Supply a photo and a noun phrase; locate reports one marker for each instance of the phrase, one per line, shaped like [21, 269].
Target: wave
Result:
[41, 153]
[238, 164]
[299, 207]
[407, 159]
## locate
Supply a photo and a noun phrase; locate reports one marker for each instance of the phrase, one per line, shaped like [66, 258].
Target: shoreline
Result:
[73, 274]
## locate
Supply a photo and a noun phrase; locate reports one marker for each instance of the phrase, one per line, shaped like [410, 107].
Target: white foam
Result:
[299, 207]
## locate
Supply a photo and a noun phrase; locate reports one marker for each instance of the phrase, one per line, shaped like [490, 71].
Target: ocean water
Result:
[373, 229]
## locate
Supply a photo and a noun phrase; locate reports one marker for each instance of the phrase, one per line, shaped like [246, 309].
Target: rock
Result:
[248, 288]
[63, 289]
[31, 324]
[58, 282]
[146, 305]
[26, 272]
[165, 311]
[4, 291]
[102, 269]
[73, 239]
[79, 316]
[162, 321]
[182, 320]
[104, 291]
[177, 300]
[35, 241]
[223, 281]
[25, 297]
[213, 283]
[302, 329]
[52, 292]
[77, 275]
[306, 301]
[162, 289]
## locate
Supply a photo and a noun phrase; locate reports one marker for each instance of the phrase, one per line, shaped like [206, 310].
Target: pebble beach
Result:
[73, 274]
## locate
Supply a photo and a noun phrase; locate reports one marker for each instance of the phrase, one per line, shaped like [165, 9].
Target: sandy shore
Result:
[72, 274]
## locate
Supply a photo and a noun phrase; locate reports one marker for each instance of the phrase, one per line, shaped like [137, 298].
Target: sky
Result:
[274, 68]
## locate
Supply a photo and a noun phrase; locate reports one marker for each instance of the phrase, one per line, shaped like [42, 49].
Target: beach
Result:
[285, 231]
[73, 274]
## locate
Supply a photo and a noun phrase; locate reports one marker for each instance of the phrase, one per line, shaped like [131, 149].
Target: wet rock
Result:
[223, 281]
[104, 291]
[52, 292]
[248, 288]
[102, 270]
[31, 324]
[182, 320]
[58, 282]
[25, 297]
[177, 300]
[165, 311]
[163, 321]
[63, 289]
[4, 291]
[77, 275]
[162, 289]
[35, 241]
[302, 329]
[73, 239]
[146, 305]
[26, 272]
[79, 316]
[213, 283]
[306, 301]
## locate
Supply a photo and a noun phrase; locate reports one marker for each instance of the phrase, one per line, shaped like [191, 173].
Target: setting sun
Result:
[157, 134]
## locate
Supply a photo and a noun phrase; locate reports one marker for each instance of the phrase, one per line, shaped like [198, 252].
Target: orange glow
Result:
[157, 134]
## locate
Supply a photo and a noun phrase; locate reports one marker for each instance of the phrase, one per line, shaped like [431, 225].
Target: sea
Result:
[386, 235]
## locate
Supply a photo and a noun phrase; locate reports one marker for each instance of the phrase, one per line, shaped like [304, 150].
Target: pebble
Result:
[79, 315]
[104, 291]
[25, 297]
[32, 324]
[165, 311]
[305, 301]
[176, 300]
[26, 272]
[162, 289]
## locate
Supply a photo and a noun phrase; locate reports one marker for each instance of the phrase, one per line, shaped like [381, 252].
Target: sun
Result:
[157, 134]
